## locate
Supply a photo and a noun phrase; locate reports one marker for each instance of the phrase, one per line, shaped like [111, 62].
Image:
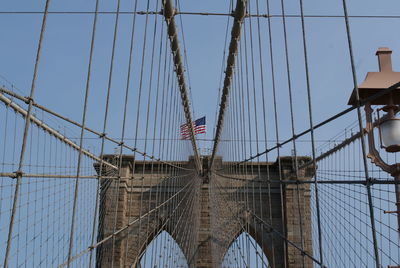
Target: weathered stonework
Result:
[268, 211]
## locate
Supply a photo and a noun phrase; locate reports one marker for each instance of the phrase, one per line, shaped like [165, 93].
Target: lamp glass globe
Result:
[390, 132]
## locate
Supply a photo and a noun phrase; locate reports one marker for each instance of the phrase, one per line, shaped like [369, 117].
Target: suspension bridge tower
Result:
[277, 214]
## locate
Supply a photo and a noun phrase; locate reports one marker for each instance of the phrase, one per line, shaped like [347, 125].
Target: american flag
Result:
[199, 127]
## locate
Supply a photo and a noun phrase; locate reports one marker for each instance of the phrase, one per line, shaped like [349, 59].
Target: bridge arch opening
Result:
[244, 251]
[163, 251]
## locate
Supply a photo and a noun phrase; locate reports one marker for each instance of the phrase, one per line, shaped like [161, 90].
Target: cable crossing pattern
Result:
[297, 173]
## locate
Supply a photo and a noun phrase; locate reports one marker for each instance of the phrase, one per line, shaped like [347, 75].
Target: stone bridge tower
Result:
[214, 227]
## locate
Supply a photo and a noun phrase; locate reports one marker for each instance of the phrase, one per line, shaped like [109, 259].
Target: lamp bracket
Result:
[373, 153]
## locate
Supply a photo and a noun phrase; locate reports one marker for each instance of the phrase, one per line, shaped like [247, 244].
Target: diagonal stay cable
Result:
[168, 219]
[236, 218]
[55, 133]
[50, 130]
[372, 180]
[240, 13]
[120, 230]
[330, 119]
[282, 236]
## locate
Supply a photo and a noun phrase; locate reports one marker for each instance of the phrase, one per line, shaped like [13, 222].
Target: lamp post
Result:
[388, 125]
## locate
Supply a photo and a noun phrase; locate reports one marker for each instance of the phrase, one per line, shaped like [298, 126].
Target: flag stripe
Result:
[199, 127]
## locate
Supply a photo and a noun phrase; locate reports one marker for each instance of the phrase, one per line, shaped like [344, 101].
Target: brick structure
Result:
[249, 203]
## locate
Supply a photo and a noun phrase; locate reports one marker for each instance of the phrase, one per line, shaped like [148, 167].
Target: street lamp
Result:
[388, 125]
[389, 129]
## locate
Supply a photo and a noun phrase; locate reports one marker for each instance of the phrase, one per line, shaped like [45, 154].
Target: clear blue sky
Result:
[63, 69]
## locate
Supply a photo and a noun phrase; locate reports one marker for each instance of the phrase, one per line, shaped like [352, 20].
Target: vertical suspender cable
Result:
[360, 124]
[138, 105]
[25, 137]
[292, 125]
[271, 56]
[239, 14]
[265, 124]
[303, 27]
[169, 13]
[104, 121]
[83, 123]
